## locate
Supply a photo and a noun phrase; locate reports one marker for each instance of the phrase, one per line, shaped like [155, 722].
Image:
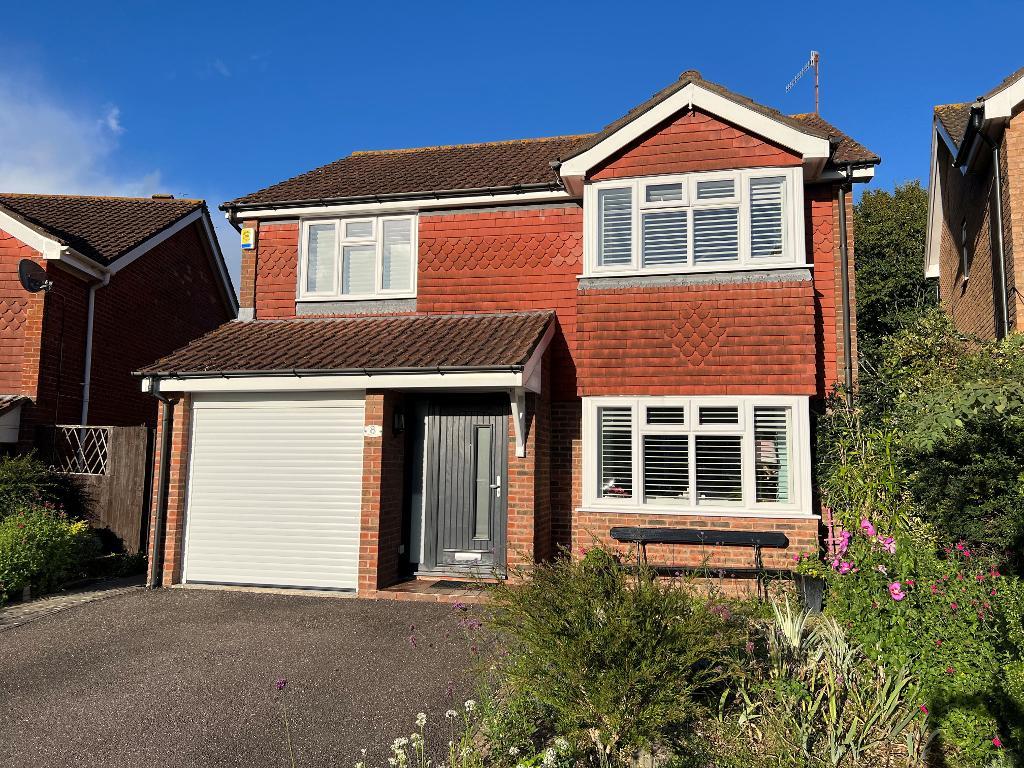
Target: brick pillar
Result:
[524, 497]
[247, 289]
[174, 534]
[383, 490]
[566, 462]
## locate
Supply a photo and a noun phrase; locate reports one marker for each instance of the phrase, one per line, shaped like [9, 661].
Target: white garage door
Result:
[275, 490]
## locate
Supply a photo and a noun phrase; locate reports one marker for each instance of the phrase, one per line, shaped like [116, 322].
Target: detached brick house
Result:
[455, 359]
[975, 242]
[130, 278]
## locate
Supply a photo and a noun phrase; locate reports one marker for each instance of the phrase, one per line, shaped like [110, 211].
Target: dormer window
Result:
[358, 258]
[695, 222]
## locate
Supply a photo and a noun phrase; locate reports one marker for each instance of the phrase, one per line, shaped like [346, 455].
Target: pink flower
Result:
[938, 642]
[867, 527]
[844, 542]
[923, 708]
[888, 544]
[845, 567]
[796, 558]
[896, 591]
[953, 606]
[997, 743]
[950, 671]
[935, 589]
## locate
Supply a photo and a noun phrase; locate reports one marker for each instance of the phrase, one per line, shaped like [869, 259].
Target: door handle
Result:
[496, 485]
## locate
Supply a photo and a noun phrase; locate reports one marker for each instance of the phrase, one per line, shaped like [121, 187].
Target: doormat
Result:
[447, 584]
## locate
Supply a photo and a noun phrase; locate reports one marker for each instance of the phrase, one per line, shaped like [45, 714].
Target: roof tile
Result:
[417, 342]
[100, 228]
[954, 118]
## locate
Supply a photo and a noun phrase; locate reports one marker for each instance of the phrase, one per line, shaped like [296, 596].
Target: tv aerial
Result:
[812, 63]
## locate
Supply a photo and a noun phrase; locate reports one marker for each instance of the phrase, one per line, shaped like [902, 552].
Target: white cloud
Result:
[221, 68]
[53, 148]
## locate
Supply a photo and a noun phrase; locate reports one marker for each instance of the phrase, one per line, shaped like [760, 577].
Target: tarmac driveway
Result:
[179, 677]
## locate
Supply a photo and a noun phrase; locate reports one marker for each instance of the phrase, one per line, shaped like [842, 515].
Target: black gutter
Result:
[232, 208]
[159, 531]
[844, 260]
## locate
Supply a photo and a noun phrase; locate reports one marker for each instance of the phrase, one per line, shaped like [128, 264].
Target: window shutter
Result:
[766, 222]
[397, 266]
[615, 227]
[616, 452]
[320, 258]
[664, 238]
[716, 190]
[772, 454]
[719, 469]
[716, 235]
[357, 272]
[667, 468]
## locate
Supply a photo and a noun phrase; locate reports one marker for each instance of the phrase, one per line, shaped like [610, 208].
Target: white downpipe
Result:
[87, 373]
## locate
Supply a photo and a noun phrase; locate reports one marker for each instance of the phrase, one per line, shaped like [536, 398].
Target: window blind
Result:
[358, 230]
[397, 257]
[615, 227]
[664, 193]
[615, 452]
[667, 468]
[320, 258]
[766, 222]
[666, 415]
[716, 235]
[719, 414]
[719, 468]
[715, 190]
[664, 238]
[772, 459]
[357, 272]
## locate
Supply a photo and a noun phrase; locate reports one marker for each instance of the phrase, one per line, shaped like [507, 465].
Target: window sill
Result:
[712, 269]
[361, 297]
[782, 514]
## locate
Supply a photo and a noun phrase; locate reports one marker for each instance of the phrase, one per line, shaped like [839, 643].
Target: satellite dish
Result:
[33, 277]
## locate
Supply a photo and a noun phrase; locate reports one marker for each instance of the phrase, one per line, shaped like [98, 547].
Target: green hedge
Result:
[41, 547]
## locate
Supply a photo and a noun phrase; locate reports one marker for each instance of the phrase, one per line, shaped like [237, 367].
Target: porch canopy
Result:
[477, 352]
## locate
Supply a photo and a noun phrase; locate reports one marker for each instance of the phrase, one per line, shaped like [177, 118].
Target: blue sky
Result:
[215, 100]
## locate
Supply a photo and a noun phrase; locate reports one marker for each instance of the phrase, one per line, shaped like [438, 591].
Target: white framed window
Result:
[718, 220]
[698, 455]
[358, 258]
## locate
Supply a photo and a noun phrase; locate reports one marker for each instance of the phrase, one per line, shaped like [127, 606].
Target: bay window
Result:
[741, 219]
[364, 258]
[707, 454]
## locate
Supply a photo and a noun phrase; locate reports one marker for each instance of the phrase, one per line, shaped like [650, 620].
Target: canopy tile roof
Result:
[99, 228]
[357, 344]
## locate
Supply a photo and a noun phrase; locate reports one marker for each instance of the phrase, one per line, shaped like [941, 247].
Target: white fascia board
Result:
[532, 370]
[404, 206]
[49, 248]
[933, 236]
[861, 175]
[1000, 105]
[808, 146]
[326, 383]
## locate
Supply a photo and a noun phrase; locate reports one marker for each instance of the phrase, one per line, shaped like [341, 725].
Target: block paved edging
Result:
[21, 613]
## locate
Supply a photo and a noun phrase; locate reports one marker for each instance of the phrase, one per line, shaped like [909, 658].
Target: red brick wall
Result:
[506, 261]
[177, 492]
[276, 264]
[740, 338]
[383, 488]
[160, 302]
[693, 141]
[591, 528]
[14, 313]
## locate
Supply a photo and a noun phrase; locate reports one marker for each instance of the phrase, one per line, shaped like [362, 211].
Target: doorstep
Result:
[434, 590]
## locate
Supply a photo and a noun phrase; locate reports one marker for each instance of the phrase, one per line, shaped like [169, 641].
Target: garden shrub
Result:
[26, 480]
[606, 656]
[41, 547]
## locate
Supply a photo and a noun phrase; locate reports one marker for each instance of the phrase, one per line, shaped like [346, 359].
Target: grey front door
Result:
[466, 486]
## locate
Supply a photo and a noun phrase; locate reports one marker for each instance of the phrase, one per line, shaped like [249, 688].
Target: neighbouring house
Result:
[976, 210]
[129, 279]
[453, 360]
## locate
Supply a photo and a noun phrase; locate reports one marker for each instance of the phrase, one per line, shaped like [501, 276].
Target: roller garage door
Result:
[274, 491]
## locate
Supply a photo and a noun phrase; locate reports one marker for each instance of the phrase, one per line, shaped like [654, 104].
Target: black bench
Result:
[756, 540]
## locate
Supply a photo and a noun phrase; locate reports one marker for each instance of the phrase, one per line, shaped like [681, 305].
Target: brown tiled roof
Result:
[388, 342]
[9, 401]
[497, 165]
[100, 228]
[954, 118]
[848, 150]
[1007, 81]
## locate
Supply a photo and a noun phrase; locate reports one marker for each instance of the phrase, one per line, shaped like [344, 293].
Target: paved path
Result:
[16, 614]
[183, 678]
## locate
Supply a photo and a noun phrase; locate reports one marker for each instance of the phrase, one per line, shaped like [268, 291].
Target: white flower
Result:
[470, 705]
[561, 745]
[549, 756]
[392, 761]
[451, 714]
[421, 719]
[360, 764]
[513, 751]
[416, 739]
